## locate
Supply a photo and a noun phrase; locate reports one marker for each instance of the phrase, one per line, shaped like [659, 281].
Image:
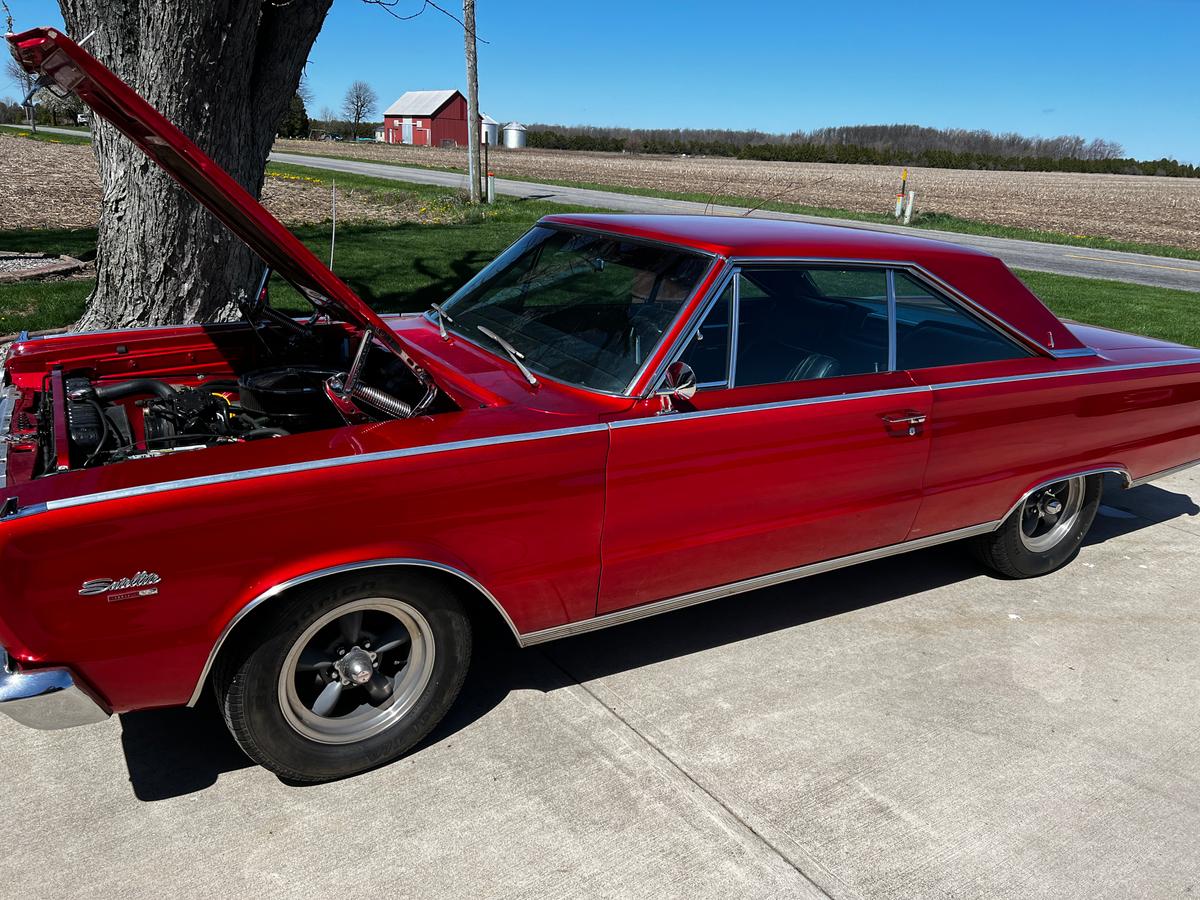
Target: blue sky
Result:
[1118, 70]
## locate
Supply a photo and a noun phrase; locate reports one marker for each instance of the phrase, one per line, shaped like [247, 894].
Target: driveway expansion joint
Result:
[722, 808]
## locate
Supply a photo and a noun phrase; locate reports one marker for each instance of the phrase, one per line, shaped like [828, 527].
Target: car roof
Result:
[980, 278]
[742, 236]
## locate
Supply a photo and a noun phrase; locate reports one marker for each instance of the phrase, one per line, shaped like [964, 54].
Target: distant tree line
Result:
[912, 145]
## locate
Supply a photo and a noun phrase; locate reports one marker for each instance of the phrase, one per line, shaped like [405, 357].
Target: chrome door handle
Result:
[909, 421]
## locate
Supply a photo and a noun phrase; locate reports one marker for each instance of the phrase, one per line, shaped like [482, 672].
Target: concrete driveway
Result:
[910, 728]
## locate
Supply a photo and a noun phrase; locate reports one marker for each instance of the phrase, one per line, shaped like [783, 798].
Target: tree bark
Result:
[223, 71]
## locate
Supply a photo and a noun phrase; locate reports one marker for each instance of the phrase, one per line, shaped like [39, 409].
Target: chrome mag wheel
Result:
[1050, 514]
[357, 670]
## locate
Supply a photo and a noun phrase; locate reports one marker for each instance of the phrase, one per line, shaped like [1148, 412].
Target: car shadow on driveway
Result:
[174, 752]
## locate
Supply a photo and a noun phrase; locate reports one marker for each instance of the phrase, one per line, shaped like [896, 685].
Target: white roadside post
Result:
[900, 195]
[491, 188]
[908, 207]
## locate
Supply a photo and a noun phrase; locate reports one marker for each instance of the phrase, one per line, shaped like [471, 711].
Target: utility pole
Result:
[472, 99]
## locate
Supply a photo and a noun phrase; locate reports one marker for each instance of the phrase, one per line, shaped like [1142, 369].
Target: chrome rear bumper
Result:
[45, 698]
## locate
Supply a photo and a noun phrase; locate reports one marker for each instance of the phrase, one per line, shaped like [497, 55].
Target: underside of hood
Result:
[66, 67]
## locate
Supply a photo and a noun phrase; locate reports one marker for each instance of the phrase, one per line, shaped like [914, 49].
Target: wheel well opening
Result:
[489, 625]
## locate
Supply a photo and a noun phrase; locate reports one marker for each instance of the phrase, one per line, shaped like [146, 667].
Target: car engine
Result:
[106, 421]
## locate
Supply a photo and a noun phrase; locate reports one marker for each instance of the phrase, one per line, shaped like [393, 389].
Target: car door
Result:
[803, 443]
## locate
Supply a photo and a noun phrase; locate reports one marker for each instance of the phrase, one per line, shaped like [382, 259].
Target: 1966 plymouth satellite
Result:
[618, 417]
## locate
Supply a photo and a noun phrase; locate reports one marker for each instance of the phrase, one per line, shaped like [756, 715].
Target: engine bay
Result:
[83, 418]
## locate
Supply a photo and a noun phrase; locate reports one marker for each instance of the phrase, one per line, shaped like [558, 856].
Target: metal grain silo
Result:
[514, 135]
[489, 130]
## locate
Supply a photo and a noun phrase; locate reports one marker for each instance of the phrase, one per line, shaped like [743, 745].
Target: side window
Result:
[931, 331]
[708, 352]
[801, 323]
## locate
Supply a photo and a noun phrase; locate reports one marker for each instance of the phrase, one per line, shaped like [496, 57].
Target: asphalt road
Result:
[1136, 268]
[909, 728]
[1157, 271]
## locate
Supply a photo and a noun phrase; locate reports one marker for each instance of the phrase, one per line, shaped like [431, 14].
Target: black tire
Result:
[250, 685]
[1007, 550]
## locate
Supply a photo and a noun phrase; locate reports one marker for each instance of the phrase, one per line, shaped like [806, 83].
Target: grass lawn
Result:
[932, 221]
[929, 221]
[1156, 312]
[84, 137]
[397, 268]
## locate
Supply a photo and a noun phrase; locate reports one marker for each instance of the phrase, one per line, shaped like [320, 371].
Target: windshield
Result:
[583, 308]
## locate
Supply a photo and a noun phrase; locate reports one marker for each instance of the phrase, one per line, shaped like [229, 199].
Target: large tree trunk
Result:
[223, 71]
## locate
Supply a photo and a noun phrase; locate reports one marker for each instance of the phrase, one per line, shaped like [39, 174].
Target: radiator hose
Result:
[109, 392]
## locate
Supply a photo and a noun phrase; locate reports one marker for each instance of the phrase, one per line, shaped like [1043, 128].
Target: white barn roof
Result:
[419, 103]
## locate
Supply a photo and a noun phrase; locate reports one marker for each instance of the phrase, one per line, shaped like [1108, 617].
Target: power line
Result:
[389, 6]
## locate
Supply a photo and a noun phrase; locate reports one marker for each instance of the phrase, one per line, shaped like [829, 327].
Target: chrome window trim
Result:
[276, 590]
[1077, 352]
[954, 294]
[675, 350]
[735, 327]
[893, 347]
[735, 265]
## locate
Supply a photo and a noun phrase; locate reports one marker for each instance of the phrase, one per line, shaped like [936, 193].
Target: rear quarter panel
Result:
[993, 441]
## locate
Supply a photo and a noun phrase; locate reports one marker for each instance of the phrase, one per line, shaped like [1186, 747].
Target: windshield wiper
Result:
[513, 353]
[442, 318]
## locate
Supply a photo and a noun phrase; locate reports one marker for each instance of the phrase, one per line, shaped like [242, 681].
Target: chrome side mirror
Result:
[679, 384]
[680, 381]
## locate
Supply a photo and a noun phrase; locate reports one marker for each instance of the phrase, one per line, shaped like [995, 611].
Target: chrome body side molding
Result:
[311, 465]
[1154, 476]
[399, 563]
[308, 466]
[621, 616]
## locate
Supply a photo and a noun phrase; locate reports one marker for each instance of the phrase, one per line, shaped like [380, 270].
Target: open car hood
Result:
[50, 53]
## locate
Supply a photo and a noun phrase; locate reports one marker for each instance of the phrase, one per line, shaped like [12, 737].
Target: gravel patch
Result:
[21, 264]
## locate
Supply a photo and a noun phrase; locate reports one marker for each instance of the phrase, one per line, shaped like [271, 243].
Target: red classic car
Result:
[618, 417]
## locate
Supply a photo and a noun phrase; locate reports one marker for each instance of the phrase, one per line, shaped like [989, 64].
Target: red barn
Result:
[427, 119]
